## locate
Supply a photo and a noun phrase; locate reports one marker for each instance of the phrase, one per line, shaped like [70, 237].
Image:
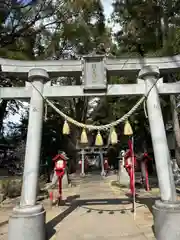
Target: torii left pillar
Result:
[27, 221]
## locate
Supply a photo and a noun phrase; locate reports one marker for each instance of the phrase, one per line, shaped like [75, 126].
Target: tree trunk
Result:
[3, 106]
[176, 128]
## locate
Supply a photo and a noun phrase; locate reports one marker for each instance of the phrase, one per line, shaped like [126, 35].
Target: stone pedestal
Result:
[27, 223]
[82, 175]
[103, 173]
[124, 178]
[166, 220]
[65, 181]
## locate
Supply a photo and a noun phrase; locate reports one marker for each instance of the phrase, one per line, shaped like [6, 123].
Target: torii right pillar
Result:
[167, 210]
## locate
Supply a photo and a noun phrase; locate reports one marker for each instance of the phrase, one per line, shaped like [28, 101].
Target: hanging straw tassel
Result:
[99, 140]
[113, 136]
[66, 129]
[128, 129]
[84, 139]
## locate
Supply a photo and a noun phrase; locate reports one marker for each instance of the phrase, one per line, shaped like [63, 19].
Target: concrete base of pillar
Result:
[27, 223]
[166, 220]
[82, 174]
[103, 173]
[65, 181]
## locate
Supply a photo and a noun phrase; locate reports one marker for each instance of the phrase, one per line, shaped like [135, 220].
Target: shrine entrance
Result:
[91, 158]
[29, 218]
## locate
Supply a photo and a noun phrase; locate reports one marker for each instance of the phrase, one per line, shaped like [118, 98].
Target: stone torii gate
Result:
[28, 219]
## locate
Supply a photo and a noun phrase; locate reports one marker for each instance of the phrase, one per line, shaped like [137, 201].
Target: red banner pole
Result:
[133, 177]
[146, 177]
[60, 189]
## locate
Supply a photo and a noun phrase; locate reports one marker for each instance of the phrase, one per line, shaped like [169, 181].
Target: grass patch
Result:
[155, 191]
[11, 187]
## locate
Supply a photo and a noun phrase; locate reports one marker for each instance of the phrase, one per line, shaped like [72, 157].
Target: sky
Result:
[107, 10]
[107, 7]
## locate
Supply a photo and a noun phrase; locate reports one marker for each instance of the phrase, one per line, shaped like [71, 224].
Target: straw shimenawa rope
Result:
[95, 127]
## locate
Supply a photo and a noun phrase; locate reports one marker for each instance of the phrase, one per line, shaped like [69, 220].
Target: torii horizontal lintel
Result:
[53, 92]
[134, 65]
[15, 92]
[78, 91]
[53, 67]
[114, 66]
[169, 88]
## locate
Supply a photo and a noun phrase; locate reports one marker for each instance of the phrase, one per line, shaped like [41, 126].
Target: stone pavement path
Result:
[101, 213]
[94, 210]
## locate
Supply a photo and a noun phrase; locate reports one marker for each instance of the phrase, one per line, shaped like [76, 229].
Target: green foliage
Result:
[147, 26]
[55, 30]
[69, 29]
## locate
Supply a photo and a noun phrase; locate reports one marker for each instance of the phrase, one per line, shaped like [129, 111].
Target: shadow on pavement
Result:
[54, 222]
[73, 203]
[85, 203]
[148, 202]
